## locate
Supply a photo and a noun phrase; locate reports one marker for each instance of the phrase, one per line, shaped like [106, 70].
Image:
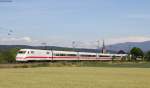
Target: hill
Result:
[7, 47]
[145, 46]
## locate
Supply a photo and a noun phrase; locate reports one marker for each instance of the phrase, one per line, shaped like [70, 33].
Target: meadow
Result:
[75, 77]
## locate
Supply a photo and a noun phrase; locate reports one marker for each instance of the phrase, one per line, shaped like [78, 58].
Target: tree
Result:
[14, 52]
[147, 56]
[1, 57]
[113, 58]
[8, 56]
[136, 52]
[121, 52]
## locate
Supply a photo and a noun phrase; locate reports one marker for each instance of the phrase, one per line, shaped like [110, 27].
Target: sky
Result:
[60, 22]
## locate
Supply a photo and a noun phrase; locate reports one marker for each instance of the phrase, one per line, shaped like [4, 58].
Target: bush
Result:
[8, 56]
[147, 56]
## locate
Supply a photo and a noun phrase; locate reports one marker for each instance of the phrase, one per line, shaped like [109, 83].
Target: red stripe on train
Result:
[52, 57]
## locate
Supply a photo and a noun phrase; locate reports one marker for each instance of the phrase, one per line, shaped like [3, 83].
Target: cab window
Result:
[22, 52]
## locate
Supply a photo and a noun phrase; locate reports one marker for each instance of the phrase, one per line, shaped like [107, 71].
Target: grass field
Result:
[78, 64]
[75, 77]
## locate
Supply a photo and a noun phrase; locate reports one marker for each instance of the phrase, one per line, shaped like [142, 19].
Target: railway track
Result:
[24, 65]
[45, 64]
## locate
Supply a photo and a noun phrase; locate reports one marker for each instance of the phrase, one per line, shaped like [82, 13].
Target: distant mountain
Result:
[7, 47]
[145, 46]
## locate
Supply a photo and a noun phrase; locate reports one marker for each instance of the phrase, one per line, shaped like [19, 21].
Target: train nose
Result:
[20, 58]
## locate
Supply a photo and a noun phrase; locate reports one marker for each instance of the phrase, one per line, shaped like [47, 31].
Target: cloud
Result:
[67, 43]
[27, 39]
[127, 39]
[16, 41]
[109, 41]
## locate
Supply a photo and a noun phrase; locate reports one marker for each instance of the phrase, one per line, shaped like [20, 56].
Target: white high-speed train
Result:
[50, 55]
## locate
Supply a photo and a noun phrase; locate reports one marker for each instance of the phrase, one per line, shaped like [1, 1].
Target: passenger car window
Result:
[32, 52]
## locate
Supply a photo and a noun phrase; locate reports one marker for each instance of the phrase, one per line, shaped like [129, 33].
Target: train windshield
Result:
[22, 52]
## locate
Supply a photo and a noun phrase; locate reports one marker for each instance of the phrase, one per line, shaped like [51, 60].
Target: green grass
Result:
[78, 64]
[116, 64]
[75, 77]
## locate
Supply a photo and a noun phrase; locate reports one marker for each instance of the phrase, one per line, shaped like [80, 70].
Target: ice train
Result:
[54, 55]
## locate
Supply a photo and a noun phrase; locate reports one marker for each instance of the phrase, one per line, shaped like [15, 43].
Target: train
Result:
[24, 55]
